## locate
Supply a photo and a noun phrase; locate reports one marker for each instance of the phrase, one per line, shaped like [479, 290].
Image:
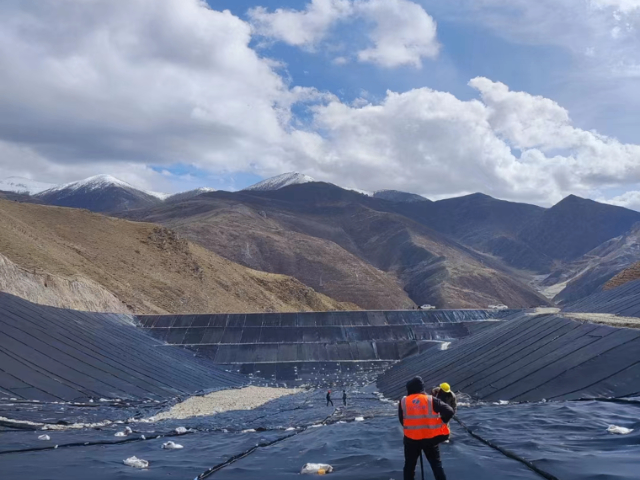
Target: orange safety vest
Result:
[419, 419]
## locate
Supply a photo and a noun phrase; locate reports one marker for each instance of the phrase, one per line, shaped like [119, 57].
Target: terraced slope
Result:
[50, 354]
[531, 358]
[316, 347]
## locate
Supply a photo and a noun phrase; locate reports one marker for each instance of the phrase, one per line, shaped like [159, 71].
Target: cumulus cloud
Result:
[401, 32]
[510, 144]
[153, 82]
[92, 87]
[300, 27]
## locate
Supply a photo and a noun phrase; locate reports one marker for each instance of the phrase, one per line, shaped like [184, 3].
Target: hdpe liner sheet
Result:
[531, 359]
[51, 354]
[623, 301]
[568, 440]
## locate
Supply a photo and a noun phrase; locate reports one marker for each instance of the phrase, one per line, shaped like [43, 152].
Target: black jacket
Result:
[448, 398]
[445, 411]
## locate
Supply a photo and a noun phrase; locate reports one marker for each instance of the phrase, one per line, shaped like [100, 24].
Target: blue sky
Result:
[527, 101]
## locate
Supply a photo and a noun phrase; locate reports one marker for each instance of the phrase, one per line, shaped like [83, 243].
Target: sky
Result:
[525, 101]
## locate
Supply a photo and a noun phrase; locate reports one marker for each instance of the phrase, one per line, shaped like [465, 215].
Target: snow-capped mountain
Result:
[101, 193]
[178, 197]
[398, 196]
[24, 185]
[280, 181]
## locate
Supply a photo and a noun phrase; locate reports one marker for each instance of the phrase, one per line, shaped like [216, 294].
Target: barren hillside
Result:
[346, 245]
[147, 267]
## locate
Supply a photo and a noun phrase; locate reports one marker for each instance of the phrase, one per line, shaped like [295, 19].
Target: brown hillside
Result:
[147, 267]
[345, 245]
[629, 275]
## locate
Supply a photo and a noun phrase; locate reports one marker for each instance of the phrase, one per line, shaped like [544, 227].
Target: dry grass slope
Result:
[148, 268]
[628, 275]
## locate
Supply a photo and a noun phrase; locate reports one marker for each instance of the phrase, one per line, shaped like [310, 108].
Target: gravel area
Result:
[225, 400]
[606, 319]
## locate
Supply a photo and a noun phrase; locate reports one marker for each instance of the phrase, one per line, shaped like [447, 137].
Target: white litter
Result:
[44, 437]
[316, 469]
[445, 345]
[249, 430]
[290, 429]
[171, 446]
[181, 430]
[501, 402]
[136, 462]
[359, 419]
[142, 437]
[318, 425]
[127, 431]
[616, 430]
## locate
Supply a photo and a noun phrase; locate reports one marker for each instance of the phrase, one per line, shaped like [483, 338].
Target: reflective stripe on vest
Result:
[420, 421]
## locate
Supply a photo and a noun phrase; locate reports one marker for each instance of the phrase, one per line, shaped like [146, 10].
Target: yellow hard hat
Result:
[445, 387]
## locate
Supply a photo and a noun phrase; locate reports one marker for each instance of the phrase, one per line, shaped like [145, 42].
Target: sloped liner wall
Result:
[52, 354]
[290, 346]
[530, 359]
[624, 301]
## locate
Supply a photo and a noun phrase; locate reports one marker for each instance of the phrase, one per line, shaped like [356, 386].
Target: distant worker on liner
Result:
[329, 401]
[444, 393]
[344, 397]
[424, 419]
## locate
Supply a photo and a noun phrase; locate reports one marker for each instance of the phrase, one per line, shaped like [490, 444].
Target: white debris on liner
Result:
[445, 345]
[77, 426]
[318, 425]
[127, 431]
[316, 469]
[171, 446]
[225, 400]
[249, 430]
[136, 462]
[181, 430]
[359, 419]
[44, 437]
[501, 402]
[616, 430]
[142, 437]
[290, 429]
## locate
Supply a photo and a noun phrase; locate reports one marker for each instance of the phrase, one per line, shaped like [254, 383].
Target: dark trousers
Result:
[329, 402]
[344, 400]
[431, 449]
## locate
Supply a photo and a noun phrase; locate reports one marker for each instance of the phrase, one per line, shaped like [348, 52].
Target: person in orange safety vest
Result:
[425, 422]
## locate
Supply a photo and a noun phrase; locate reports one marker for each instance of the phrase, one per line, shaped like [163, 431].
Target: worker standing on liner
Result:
[344, 397]
[444, 393]
[329, 401]
[424, 419]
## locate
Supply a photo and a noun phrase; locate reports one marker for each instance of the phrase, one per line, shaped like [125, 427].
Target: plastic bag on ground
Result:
[44, 437]
[171, 446]
[359, 419]
[616, 430]
[181, 430]
[136, 462]
[316, 469]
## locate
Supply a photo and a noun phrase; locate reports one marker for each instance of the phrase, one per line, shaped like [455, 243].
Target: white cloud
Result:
[92, 87]
[624, 6]
[401, 32]
[404, 33]
[629, 199]
[301, 28]
[511, 144]
[97, 83]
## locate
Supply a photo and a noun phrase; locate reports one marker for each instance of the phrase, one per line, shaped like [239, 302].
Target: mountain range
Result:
[390, 249]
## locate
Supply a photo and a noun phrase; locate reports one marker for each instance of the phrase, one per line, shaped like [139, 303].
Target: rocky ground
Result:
[605, 319]
[225, 400]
